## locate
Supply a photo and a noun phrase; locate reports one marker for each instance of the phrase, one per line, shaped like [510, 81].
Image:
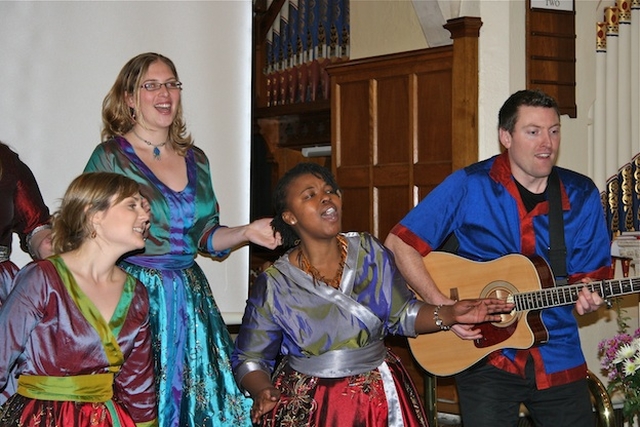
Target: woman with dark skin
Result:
[326, 305]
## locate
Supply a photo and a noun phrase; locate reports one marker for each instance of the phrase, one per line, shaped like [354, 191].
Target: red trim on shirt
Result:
[603, 273]
[411, 239]
[501, 172]
[543, 380]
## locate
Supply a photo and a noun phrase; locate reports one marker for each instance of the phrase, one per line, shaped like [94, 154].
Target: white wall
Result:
[59, 59]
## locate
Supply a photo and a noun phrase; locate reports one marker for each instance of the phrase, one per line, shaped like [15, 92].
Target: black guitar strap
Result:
[557, 248]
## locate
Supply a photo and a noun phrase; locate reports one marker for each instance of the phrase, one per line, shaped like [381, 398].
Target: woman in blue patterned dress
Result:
[145, 138]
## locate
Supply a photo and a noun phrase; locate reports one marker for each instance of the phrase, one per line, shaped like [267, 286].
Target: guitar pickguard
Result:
[493, 334]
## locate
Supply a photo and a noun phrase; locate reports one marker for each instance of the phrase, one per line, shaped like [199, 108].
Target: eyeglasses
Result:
[153, 86]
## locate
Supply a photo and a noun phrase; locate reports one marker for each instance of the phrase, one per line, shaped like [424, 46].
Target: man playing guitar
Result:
[497, 207]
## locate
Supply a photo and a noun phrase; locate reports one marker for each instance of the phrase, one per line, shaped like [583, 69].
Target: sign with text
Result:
[553, 4]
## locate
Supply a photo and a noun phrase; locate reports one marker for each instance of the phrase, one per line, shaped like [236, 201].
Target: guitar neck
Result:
[565, 295]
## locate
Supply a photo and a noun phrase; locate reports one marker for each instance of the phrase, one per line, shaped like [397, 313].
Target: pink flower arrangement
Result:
[620, 362]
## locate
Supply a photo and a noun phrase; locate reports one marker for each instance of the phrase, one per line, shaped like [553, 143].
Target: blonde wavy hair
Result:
[118, 118]
[87, 194]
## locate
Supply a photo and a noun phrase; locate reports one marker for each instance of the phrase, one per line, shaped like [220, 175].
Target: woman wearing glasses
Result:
[145, 138]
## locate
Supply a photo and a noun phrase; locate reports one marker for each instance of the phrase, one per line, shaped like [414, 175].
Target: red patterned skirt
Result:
[355, 401]
[20, 411]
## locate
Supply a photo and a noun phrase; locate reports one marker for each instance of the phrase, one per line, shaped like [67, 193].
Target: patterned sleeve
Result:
[208, 204]
[403, 304]
[259, 339]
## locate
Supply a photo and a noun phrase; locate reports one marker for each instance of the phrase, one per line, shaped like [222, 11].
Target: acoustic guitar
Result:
[526, 282]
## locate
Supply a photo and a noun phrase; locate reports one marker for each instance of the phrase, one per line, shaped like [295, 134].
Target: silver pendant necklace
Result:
[156, 147]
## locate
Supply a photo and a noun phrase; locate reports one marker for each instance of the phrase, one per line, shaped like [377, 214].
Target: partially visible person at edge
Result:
[22, 211]
[145, 138]
[327, 305]
[76, 325]
[500, 206]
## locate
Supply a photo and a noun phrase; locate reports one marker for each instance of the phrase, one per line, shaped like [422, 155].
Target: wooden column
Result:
[464, 32]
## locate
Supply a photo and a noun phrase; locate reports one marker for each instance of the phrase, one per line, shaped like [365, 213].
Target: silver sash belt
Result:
[5, 251]
[341, 363]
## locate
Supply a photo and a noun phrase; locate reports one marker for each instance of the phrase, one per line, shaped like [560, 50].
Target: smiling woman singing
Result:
[76, 326]
[326, 305]
[145, 138]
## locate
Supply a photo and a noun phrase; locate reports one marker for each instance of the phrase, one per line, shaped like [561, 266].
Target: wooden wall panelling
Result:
[434, 154]
[352, 112]
[400, 124]
[551, 55]
[377, 128]
[393, 98]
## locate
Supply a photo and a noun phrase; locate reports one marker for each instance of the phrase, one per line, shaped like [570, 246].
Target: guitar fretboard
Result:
[564, 295]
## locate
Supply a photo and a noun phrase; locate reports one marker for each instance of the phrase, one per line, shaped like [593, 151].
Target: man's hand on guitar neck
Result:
[588, 301]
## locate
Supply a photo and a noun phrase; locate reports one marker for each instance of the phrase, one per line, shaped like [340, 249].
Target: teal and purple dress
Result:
[191, 343]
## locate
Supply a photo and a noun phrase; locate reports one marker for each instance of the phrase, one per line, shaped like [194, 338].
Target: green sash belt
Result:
[78, 388]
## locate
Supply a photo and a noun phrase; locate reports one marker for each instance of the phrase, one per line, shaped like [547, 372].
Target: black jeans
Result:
[490, 397]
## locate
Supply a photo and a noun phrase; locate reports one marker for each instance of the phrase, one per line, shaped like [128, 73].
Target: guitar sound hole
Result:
[497, 332]
[501, 290]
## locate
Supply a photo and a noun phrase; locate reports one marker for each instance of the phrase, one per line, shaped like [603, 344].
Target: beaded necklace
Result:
[156, 147]
[305, 265]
